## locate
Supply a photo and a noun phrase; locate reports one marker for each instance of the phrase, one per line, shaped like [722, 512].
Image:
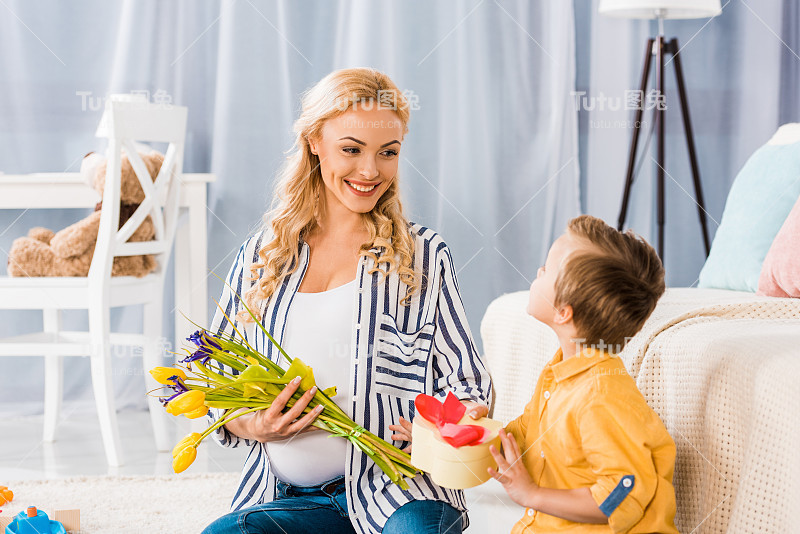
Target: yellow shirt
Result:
[588, 426]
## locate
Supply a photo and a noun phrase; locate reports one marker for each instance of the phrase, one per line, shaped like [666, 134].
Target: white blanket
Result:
[722, 369]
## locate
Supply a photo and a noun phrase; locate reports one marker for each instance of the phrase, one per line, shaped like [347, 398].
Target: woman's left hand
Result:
[402, 432]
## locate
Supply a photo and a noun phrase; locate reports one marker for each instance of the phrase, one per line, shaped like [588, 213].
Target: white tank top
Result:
[318, 330]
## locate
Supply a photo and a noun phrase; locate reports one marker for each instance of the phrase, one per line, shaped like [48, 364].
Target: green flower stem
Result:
[227, 404]
[234, 346]
[227, 359]
[272, 339]
[391, 449]
[329, 403]
[395, 472]
[220, 376]
[388, 462]
[372, 439]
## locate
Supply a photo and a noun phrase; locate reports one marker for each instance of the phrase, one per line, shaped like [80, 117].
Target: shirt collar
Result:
[583, 361]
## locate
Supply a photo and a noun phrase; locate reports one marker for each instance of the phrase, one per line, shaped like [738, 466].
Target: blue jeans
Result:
[323, 508]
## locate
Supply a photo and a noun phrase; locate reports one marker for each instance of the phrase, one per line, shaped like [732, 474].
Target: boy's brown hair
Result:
[612, 286]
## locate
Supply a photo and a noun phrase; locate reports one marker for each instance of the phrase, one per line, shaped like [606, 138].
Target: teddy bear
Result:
[69, 252]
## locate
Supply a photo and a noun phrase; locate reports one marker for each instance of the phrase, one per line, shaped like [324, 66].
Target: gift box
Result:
[451, 446]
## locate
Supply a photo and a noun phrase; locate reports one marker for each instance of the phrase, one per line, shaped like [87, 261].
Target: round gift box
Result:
[451, 467]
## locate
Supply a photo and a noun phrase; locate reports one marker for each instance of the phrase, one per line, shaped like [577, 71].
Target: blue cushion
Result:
[758, 203]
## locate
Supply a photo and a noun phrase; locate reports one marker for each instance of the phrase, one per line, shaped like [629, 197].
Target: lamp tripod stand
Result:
[659, 47]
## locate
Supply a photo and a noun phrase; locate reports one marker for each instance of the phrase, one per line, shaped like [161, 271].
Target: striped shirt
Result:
[397, 352]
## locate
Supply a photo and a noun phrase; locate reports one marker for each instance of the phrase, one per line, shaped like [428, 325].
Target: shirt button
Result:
[546, 395]
[541, 454]
[626, 482]
[355, 398]
[358, 326]
[530, 512]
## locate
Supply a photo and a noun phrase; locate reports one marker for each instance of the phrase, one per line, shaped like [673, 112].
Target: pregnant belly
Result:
[308, 459]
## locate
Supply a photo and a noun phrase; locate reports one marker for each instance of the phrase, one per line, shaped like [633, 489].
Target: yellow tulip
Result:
[162, 374]
[184, 459]
[305, 372]
[186, 402]
[190, 440]
[197, 412]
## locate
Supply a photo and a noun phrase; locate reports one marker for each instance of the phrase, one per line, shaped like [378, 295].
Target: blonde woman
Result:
[371, 302]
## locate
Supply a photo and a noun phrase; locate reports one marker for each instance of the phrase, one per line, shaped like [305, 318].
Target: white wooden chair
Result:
[124, 122]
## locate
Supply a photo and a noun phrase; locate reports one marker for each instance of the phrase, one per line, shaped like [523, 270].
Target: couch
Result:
[722, 370]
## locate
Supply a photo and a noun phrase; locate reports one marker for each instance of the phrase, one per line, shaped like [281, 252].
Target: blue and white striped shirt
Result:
[397, 352]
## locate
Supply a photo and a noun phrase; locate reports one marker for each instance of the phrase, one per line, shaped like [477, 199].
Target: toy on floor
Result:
[68, 252]
[450, 445]
[6, 495]
[33, 521]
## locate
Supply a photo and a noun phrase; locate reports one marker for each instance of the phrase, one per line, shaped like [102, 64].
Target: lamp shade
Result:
[668, 9]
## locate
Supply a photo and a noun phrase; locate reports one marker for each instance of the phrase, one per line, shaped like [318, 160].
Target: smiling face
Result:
[358, 153]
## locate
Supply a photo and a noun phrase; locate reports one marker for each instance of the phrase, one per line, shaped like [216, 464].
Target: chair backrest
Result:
[124, 123]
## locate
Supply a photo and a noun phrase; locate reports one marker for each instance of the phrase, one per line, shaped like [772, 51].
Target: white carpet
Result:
[183, 503]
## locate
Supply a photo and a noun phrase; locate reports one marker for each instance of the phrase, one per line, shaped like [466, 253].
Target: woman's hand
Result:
[402, 432]
[511, 472]
[273, 424]
[475, 410]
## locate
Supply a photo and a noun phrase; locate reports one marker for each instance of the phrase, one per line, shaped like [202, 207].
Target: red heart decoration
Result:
[453, 409]
[429, 408]
[460, 435]
[446, 417]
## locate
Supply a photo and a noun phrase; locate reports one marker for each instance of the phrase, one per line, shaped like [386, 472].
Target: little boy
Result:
[588, 454]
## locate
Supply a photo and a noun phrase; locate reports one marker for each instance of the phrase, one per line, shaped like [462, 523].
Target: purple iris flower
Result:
[205, 345]
[199, 354]
[196, 338]
[177, 386]
[203, 339]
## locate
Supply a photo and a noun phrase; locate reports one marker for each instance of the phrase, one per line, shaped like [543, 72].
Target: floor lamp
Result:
[659, 48]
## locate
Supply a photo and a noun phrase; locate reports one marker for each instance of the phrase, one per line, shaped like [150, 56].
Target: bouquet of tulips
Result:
[206, 381]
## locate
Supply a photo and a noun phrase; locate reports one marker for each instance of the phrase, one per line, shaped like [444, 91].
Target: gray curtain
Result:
[490, 161]
[741, 72]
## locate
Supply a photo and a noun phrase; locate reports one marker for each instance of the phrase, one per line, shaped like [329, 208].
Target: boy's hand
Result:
[402, 432]
[511, 471]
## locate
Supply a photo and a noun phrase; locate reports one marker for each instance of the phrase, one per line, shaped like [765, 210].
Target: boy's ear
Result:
[563, 316]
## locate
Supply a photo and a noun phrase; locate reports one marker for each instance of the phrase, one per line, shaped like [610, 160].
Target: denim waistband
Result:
[326, 488]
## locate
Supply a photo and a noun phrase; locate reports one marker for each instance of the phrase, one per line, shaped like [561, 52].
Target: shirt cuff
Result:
[222, 435]
[613, 497]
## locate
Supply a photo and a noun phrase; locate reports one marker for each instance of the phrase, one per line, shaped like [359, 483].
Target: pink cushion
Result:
[780, 273]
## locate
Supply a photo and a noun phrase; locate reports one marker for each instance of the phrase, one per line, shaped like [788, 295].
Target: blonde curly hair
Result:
[296, 208]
